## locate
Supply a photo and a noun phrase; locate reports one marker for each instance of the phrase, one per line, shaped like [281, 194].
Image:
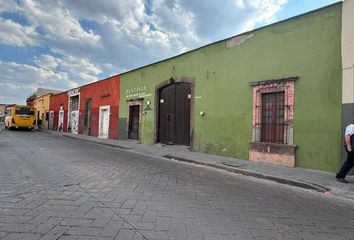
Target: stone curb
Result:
[291, 182]
[102, 143]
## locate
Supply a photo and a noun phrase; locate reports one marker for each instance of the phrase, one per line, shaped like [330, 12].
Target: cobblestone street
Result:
[54, 187]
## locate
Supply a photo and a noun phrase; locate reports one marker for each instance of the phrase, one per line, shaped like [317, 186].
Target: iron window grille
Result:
[272, 117]
[74, 103]
[273, 111]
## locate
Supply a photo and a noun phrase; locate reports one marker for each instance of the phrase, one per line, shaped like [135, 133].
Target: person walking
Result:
[39, 122]
[349, 145]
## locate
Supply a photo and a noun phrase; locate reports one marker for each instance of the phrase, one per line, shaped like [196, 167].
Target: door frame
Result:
[135, 102]
[86, 129]
[61, 110]
[73, 93]
[170, 81]
[106, 107]
[51, 120]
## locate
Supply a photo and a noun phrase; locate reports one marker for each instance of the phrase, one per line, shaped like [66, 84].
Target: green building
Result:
[273, 95]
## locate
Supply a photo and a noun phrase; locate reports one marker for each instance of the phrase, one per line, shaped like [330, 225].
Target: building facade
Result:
[99, 108]
[41, 103]
[271, 95]
[2, 108]
[73, 110]
[90, 109]
[2, 112]
[347, 64]
[30, 100]
[58, 111]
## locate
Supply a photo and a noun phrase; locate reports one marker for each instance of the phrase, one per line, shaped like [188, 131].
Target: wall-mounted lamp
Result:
[202, 113]
[148, 107]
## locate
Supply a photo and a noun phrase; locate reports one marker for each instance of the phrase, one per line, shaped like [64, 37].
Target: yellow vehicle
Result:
[17, 116]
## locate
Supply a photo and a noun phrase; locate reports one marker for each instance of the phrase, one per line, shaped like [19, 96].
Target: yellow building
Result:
[41, 103]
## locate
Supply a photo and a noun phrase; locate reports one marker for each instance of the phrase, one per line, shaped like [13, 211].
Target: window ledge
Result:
[273, 148]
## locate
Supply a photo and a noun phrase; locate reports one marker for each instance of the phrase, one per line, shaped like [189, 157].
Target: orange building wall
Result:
[102, 93]
[57, 100]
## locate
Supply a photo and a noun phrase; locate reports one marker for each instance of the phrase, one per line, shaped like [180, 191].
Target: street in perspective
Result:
[175, 120]
[55, 187]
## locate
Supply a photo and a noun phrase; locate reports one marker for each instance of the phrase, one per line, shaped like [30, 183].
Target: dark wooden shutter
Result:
[183, 91]
[174, 114]
[167, 114]
[272, 125]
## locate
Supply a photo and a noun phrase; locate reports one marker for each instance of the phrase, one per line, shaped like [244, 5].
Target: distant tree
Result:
[30, 99]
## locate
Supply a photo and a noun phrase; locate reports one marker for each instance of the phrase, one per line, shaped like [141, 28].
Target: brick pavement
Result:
[321, 181]
[59, 188]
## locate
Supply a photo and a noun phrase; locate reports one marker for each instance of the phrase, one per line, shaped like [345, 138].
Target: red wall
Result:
[57, 100]
[102, 93]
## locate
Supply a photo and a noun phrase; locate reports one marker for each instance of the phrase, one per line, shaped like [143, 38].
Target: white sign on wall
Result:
[137, 92]
[74, 91]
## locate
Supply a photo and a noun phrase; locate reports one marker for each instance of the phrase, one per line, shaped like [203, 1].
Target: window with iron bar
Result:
[272, 117]
[273, 111]
[74, 103]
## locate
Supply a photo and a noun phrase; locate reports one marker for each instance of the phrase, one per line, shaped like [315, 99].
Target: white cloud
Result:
[175, 19]
[47, 62]
[108, 9]
[60, 29]
[14, 34]
[88, 38]
[263, 11]
[8, 6]
[79, 69]
[18, 81]
[28, 75]
[13, 93]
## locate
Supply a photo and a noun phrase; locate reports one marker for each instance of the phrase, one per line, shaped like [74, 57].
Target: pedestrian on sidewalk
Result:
[39, 122]
[348, 144]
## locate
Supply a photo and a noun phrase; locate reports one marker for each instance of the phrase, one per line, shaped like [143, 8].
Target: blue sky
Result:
[62, 44]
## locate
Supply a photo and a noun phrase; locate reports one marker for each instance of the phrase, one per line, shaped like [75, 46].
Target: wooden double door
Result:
[174, 114]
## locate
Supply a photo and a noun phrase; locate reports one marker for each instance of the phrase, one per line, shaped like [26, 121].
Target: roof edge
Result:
[237, 35]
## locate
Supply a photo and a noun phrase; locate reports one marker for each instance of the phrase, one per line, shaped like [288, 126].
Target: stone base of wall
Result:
[278, 154]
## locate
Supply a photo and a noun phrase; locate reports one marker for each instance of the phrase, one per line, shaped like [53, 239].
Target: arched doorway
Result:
[174, 114]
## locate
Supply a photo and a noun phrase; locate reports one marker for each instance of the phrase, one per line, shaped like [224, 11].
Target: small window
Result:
[74, 103]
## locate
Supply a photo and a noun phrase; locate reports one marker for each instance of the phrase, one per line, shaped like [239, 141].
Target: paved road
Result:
[54, 187]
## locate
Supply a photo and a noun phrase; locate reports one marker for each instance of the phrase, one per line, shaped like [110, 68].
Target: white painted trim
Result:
[51, 113]
[69, 111]
[106, 107]
[347, 45]
[59, 120]
[139, 103]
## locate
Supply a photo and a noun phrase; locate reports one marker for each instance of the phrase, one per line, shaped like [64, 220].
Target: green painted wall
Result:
[307, 46]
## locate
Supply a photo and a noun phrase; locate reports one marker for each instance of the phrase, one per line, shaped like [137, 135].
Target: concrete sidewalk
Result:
[309, 179]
